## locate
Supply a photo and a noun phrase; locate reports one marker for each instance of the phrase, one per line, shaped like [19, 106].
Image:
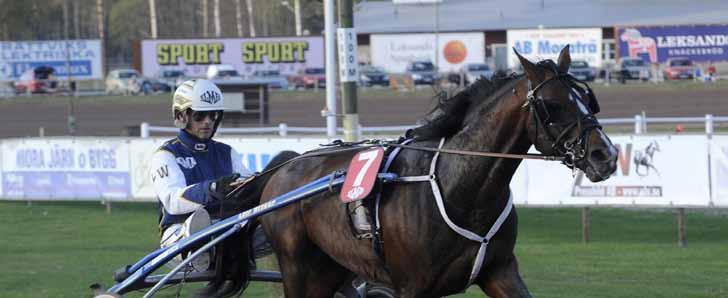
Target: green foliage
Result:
[128, 21]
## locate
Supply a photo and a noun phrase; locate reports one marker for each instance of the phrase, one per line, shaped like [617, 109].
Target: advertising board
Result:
[450, 51]
[651, 171]
[82, 58]
[65, 168]
[540, 44]
[719, 170]
[285, 54]
[657, 44]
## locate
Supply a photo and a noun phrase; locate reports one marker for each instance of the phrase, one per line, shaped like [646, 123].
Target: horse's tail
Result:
[260, 246]
[239, 251]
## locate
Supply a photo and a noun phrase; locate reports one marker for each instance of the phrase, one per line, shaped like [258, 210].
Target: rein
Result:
[483, 153]
[379, 143]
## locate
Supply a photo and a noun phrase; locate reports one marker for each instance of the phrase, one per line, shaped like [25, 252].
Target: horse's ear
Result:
[564, 59]
[530, 69]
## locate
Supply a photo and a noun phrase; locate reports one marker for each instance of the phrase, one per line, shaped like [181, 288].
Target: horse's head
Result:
[561, 118]
[630, 35]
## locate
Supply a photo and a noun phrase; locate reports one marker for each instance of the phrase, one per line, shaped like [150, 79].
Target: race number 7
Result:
[362, 175]
[370, 157]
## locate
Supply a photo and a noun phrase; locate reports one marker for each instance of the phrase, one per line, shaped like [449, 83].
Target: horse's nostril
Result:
[598, 155]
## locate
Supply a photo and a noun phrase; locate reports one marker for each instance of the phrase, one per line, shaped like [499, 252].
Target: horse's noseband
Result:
[573, 150]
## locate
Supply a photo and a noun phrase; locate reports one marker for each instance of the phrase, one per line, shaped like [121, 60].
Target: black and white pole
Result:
[348, 69]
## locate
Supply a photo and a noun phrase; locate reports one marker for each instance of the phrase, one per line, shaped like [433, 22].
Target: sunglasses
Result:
[201, 115]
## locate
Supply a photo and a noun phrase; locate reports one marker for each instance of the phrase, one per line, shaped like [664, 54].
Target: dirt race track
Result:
[111, 116]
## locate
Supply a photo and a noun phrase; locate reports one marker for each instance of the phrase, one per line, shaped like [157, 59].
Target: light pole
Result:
[329, 38]
[71, 122]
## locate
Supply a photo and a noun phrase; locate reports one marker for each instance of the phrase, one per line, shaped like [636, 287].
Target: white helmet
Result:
[197, 95]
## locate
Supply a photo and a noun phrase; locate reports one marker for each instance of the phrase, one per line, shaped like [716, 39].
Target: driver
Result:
[191, 173]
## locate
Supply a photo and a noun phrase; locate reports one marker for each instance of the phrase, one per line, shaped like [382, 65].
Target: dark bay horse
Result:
[422, 256]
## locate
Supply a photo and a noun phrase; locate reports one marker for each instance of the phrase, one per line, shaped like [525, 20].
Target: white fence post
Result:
[282, 129]
[709, 125]
[638, 124]
[144, 130]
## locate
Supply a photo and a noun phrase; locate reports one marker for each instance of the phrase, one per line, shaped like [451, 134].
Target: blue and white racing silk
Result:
[182, 170]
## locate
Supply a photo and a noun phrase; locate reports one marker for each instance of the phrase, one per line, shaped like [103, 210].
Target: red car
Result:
[309, 78]
[36, 80]
[679, 69]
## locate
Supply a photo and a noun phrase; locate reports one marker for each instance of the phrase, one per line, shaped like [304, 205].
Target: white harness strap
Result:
[432, 178]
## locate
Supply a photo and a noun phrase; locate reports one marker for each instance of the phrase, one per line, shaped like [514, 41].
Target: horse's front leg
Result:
[504, 281]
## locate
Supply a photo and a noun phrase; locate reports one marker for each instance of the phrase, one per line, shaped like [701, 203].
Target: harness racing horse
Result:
[421, 256]
[643, 160]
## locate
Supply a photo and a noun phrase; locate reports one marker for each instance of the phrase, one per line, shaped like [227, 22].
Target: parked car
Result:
[679, 69]
[372, 76]
[581, 70]
[470, 73]
[172, 77]
[223, 72]
[632, 69]
[130, 81]
[422, 73]
[273, 78]
[37, 80]
[122, 81]
[309, 78]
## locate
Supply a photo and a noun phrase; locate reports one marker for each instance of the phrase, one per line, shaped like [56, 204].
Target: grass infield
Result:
[57, 249]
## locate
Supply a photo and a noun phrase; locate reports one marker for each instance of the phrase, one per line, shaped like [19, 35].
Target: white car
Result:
[223, 72]
[172, 77]
[122, 81]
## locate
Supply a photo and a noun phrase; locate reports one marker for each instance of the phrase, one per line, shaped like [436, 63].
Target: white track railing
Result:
[639, 121]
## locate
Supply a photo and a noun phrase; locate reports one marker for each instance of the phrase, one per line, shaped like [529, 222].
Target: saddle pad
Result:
[362, 175]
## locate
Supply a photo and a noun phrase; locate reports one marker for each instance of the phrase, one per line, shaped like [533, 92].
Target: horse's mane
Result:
[446, 118]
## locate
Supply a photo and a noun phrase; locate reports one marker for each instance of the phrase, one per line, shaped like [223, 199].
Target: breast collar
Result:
[192, 142]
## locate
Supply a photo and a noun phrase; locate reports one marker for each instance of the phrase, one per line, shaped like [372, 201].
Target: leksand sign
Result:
[657, 44]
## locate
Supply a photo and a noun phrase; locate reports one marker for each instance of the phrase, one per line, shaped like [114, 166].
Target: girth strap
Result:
[483, 240]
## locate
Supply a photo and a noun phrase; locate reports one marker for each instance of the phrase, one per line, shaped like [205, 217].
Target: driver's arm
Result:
[171, 187]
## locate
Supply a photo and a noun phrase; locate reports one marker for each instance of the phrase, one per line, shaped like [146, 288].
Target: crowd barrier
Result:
[653, 170]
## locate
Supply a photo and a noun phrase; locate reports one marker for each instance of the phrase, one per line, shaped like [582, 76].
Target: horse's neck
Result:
[476, 182]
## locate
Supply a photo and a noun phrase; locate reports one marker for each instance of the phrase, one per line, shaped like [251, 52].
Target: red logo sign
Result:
[455, 51]
[362, 175]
